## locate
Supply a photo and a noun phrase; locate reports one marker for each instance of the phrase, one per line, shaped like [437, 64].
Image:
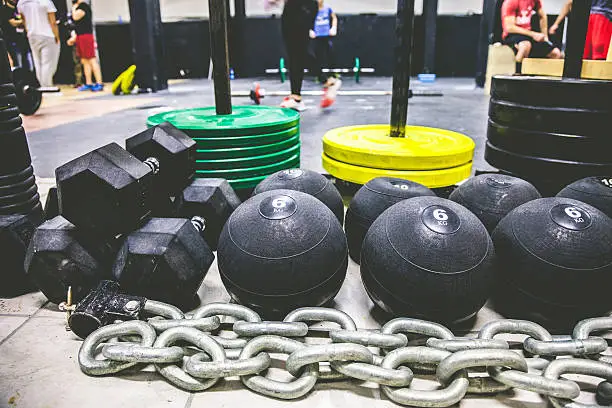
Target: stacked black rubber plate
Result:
[18, 190]
[550, 131]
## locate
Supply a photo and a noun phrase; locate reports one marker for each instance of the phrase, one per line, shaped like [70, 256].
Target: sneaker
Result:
[291, 103]
[330, 91]
[85, 88]
[97, 88]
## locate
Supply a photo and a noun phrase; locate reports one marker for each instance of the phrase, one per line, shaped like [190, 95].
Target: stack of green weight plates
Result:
[244, 147]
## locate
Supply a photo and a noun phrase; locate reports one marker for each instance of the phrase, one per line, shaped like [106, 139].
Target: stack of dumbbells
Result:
[133, 215]
[20, 208]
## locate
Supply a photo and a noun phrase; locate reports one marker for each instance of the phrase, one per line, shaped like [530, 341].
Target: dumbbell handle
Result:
[153, 164]
[199, 223]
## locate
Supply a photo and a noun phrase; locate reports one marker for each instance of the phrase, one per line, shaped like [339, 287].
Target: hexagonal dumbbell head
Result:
[174, 152]
[212, 199]
[107, 191]
[166, 260]
[15, 235]
[59, 256]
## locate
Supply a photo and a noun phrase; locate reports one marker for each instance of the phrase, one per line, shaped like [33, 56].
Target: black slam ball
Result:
[371, 201]
[430, 258]
[596, 191]
[281, 250]
[306, 181]
[492, 196]
[555, 261]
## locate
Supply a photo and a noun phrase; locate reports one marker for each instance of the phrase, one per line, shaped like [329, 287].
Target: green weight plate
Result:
[243, 184]
[216, 143]
[247, 162]
[244, 121]
[248, 172]
[224, 154]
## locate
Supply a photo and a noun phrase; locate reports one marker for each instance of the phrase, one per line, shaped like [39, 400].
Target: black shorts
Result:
[538, 49]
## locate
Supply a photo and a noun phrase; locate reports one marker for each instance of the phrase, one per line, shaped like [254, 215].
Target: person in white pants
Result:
[43, 35]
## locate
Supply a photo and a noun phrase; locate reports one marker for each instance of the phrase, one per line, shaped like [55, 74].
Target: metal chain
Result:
[190, 352]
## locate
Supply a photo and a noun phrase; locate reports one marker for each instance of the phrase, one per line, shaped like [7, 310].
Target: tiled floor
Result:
[39, 368]
[38, 357]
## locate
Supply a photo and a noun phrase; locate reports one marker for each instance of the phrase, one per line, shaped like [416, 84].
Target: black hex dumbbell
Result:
[60, 256]
[111, 191]
[166, 260]
[15, 235]
[212, 199]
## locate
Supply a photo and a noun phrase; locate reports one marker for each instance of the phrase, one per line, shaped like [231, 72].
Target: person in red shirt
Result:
[518, 33]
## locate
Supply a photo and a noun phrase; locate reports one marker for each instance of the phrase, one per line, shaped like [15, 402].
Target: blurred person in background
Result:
[519, 34]
[322, 34]
[83, 39]
[43, 35]
[297, 21]
[599, 33]
[14, 34]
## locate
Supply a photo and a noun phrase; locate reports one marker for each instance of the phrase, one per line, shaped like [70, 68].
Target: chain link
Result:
[584, 329]
[563, 366]
[87, 353]
[191, 353]
[450, 395]
[292, 390]
[321, 314]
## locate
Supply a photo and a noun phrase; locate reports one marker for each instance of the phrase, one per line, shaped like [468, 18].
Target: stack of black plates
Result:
[550, 131]
[18, 191]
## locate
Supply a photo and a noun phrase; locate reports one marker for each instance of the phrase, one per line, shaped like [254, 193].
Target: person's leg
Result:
[320, 60]
[49, 57]
[523, 49]
[329, 56]
[78, 68]
[296, 52]
[97, 73]
[602, 28]
[36, 47]
[19, 52]
[87, 68]
[588, 45]
[555, 54]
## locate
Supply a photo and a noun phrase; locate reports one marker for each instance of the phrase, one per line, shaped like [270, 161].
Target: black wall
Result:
[369, 37]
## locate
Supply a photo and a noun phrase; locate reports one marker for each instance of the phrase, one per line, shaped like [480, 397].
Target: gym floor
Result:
[38, 357]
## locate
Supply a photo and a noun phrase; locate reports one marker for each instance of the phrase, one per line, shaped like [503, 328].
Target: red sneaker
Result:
[330, 92]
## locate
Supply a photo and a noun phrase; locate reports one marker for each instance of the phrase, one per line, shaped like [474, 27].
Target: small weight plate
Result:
[242, 152]
[7, 89]
[18, 198]
[15, 153]
[247, 183]
[214, 143]
[247, 162]
[28, 101]
[8, 100]
[8, 125]
[429, 178]
[422, 149]
[553, 92]
[14, 178]
[585, 122]
[8, 113]
[11, 189]
[552, 145]
[540, 167]
[241, 173]
[244, 121]
[21, 208]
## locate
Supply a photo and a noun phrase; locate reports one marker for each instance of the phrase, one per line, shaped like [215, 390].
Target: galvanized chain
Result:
[190, 352]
